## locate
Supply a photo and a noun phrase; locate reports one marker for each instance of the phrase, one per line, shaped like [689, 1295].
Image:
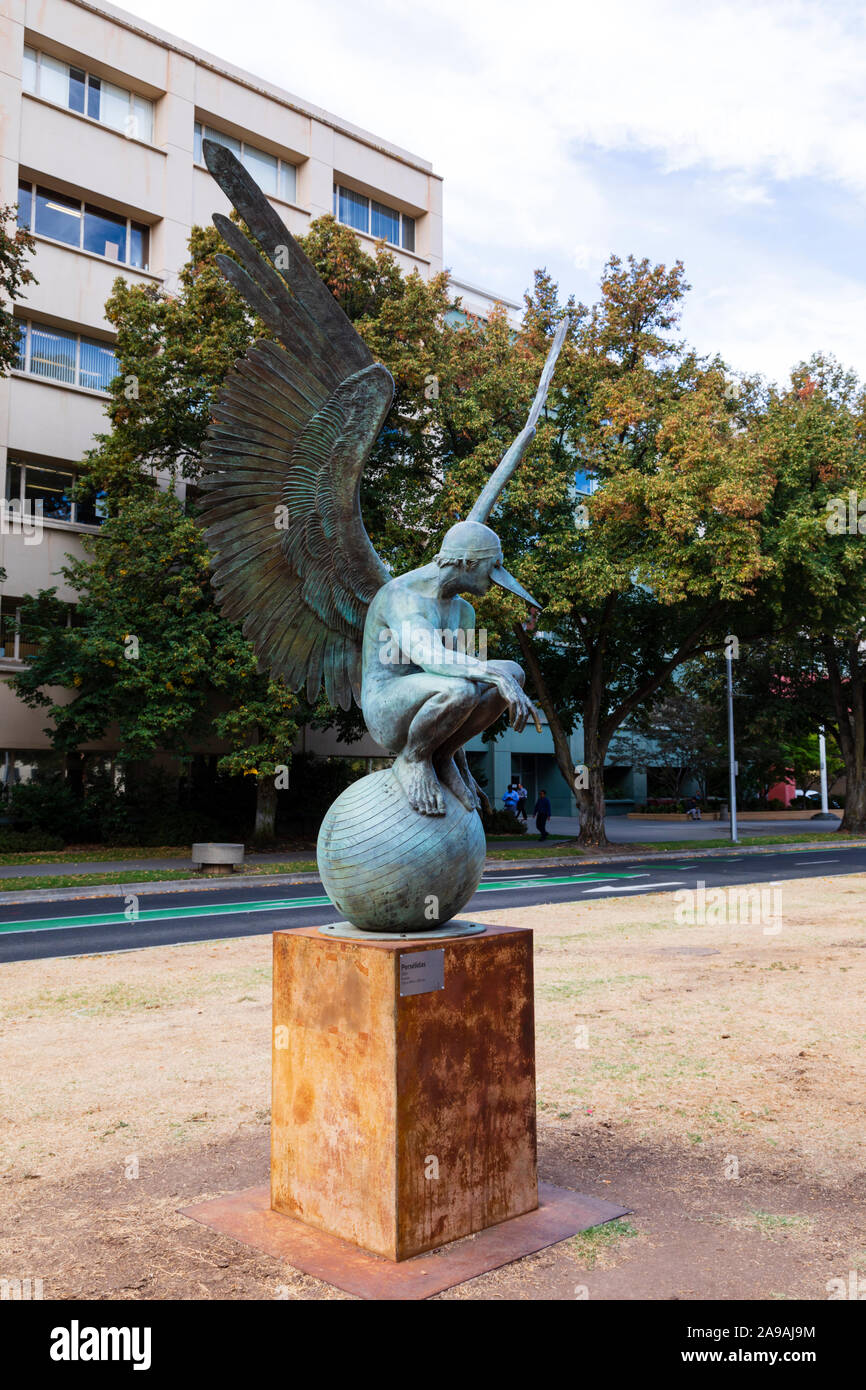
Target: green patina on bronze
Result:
[293, 562]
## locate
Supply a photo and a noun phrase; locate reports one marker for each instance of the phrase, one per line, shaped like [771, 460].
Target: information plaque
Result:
[422, 971]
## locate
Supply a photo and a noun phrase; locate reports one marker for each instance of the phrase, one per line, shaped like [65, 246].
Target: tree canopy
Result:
[661, 506]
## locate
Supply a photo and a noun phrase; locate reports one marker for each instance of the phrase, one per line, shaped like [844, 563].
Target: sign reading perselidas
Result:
[422, 971]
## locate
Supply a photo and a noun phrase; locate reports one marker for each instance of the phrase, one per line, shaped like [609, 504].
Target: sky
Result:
[731, 136]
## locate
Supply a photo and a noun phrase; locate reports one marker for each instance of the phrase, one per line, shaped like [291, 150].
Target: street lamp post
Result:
[731, 758]
[822, 756]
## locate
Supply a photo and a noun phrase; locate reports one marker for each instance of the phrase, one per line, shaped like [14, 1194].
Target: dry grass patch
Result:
[134, 1053]
[710, 1036]
[715, 1038]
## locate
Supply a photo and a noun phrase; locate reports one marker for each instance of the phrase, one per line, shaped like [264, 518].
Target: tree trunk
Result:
[75, 772]
[854, 819]
[597, 735]
[266, 811]
[848, 701]
[590, 800]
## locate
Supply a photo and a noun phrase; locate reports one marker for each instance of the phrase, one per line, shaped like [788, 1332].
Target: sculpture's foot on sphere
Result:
[420, 785]
[387, 868]
[450, 776]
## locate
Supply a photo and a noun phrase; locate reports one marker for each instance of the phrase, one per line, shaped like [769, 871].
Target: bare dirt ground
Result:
[711, 1078]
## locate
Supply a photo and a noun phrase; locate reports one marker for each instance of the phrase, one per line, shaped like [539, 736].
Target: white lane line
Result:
[604, 879]
[639, 887]
[648, 874]
[799, 862]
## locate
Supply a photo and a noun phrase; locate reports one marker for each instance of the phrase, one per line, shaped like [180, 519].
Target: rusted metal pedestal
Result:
[403, 1111]
[403, 1116]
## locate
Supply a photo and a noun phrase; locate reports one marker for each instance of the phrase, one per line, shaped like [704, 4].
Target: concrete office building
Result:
[100, 145]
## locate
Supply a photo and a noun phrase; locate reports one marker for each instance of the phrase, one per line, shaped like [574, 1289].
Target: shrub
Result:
[314, 783]
[51, 806]
[28, 841]
[502, 822]
[154, 808]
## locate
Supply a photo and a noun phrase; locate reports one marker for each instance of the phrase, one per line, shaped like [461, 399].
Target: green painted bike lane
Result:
[133, 913]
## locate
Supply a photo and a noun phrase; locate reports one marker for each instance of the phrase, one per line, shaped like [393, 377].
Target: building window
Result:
[13, 643]
[18, 643]
[83, 225]
[61, 356]
[585, 482]
[376, 219]
[90, 96]
[276, 177]
[52, 486]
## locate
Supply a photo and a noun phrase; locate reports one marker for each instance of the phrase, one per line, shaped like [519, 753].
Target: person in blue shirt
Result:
[542, 813]
[510, 798]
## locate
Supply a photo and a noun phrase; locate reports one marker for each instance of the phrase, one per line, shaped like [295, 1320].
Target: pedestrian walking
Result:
[542, 814]
[522, 794]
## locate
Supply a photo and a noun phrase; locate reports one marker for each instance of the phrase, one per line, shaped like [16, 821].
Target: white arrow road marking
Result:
[638, 887]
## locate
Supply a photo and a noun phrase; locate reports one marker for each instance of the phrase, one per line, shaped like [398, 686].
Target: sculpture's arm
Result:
[511, 459]
[421, 643]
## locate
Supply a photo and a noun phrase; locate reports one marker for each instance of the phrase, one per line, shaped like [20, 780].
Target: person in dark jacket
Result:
[542, 814]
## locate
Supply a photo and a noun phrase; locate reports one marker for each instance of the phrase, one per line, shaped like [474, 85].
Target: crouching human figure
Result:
[423, 698]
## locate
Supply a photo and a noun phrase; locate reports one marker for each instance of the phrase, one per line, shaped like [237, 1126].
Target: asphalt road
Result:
[80, 926]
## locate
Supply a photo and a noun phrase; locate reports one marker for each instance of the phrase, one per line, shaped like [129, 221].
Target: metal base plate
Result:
[247, 1216]
[459, 927]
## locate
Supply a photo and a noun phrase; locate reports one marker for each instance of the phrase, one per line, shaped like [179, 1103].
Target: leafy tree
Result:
[637, 577]
[149, 655]
[15, 247]
[147, 573]
[687, 737]
[802, 756]
[812, 441]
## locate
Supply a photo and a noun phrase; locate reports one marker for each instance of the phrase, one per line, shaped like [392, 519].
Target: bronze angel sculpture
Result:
[400, 850]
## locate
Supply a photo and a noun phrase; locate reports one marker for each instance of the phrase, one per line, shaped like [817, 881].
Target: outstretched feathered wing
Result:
[288, 442]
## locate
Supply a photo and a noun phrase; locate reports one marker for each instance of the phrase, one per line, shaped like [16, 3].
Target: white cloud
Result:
[535, 115]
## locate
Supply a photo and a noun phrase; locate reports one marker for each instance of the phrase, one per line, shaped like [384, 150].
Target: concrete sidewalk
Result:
[622, 831]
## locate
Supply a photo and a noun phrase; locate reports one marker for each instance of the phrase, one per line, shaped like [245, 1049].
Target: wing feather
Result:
[279, 246]
[287, 445]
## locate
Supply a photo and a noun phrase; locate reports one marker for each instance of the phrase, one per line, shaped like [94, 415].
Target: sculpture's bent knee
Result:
[456, 690]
